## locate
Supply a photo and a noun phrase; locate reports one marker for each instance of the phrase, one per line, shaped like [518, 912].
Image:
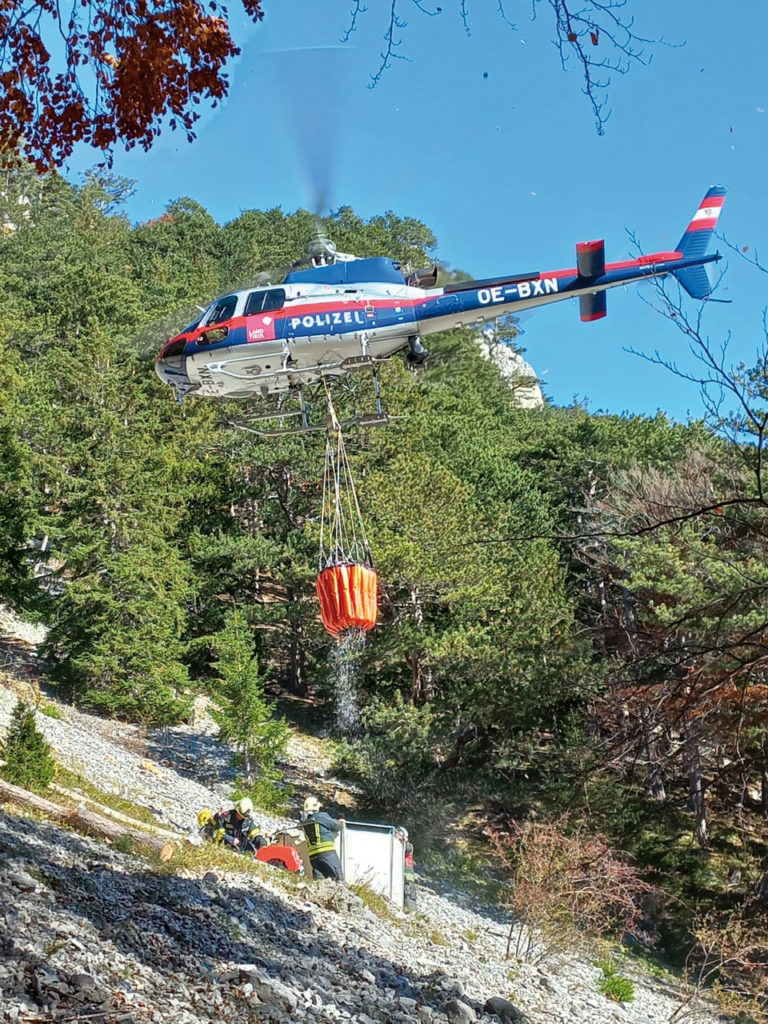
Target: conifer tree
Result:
[246, 718]
[28, 759]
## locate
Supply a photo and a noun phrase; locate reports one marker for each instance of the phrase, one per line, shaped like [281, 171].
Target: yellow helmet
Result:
[244, 806]
[311, 804]
[204, 817]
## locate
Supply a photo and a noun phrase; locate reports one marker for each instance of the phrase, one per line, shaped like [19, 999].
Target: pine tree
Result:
[28, 759]
[246, 718]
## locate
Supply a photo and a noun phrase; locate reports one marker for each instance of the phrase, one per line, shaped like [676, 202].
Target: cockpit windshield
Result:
[223, 309]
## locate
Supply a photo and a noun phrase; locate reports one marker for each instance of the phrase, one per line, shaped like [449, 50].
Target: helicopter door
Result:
[441, 313]
[259, 309]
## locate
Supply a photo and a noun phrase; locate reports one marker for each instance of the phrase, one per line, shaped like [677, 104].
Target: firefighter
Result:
[409, 873]
[206, 824]
[320, 828]
[236, 828]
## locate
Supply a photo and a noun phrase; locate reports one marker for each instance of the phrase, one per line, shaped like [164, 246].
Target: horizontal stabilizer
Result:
[593, 306]
[590, 258]
[695, 281]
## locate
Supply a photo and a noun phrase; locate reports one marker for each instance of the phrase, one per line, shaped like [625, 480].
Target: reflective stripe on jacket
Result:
[319, 829]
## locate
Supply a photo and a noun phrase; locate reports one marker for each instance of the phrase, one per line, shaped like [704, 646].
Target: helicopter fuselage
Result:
[329, 320]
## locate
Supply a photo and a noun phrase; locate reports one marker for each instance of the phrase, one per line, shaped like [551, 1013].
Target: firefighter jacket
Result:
[231, 826]
[319, 829]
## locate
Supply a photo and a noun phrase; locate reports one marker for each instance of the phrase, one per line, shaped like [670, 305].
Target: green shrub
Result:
[613, 985]
[28, 759]
[51, 711]
[267, 795]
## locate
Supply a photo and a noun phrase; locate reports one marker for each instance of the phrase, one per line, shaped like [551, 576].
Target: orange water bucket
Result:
[349, 598]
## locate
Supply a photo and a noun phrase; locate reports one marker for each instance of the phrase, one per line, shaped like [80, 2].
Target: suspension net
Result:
[347, 584]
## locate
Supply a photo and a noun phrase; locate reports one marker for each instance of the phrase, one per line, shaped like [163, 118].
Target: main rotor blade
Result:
[311, 86]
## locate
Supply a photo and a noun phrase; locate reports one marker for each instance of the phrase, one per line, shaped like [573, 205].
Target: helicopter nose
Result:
[170, 372]
[169, 365]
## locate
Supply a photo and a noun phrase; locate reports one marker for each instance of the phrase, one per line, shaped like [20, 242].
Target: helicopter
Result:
[334, 315]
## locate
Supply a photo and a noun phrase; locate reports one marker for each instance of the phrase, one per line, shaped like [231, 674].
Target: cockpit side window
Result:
[264, 300]
[223, 310]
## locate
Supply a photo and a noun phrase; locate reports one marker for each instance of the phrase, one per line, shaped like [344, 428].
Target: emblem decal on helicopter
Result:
[513, 292]
[261, 328]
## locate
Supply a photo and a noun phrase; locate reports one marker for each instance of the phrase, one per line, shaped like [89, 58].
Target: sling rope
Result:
[342, 533]
[347, 585]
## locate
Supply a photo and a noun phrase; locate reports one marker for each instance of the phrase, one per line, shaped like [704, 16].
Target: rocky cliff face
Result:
[88, 933]
[514, 369]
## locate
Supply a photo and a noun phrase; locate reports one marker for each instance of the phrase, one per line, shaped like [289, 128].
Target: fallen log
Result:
[109, 812]
[82, 820]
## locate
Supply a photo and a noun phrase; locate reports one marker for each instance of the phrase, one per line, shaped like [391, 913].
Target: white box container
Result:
[371, 855]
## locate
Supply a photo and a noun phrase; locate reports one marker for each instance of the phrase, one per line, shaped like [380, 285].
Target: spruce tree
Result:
[246, 718]
[28, 759]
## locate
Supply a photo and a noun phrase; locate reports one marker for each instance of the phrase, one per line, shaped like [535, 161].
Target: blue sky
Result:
[485, 139]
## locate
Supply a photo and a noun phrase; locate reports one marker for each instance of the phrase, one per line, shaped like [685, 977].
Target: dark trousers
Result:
[327, 865]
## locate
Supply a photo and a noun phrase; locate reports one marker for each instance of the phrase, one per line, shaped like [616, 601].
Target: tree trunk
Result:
[654, 783]
[764, 777]
[421, 673]
[297, 681]
[695, 784]
[84, 821]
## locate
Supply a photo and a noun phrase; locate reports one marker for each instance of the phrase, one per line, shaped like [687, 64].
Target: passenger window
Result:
[265, 300]
[223, 310]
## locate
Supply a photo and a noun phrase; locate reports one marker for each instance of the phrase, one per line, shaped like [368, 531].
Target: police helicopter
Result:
[334, 315]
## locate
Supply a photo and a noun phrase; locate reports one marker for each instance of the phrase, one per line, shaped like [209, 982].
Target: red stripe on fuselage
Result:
[642, 261]
[339, 306]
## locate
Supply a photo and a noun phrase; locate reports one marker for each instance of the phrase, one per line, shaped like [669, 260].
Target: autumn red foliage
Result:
[107, 70]
[565, 882]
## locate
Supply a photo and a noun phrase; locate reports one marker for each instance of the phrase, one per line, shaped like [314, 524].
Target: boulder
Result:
[459, 1012]
[503, 1009]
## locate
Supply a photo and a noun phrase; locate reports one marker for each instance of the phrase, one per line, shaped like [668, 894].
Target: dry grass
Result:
[71, 780]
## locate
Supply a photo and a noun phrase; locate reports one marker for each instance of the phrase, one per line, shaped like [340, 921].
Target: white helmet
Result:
[404, 832]
[244, 806]
[311, 804]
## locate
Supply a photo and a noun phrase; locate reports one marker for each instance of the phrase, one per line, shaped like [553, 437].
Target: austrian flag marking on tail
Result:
[707, 214]
[699, 232]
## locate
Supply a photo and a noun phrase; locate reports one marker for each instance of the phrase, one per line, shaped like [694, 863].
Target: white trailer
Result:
[372, 855]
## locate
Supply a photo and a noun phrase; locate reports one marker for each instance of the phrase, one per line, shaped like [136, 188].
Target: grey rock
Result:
[502, 1008]
[453, 986]
[459, 1012]
[21, 879]
[170, 947]
[272, 990]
